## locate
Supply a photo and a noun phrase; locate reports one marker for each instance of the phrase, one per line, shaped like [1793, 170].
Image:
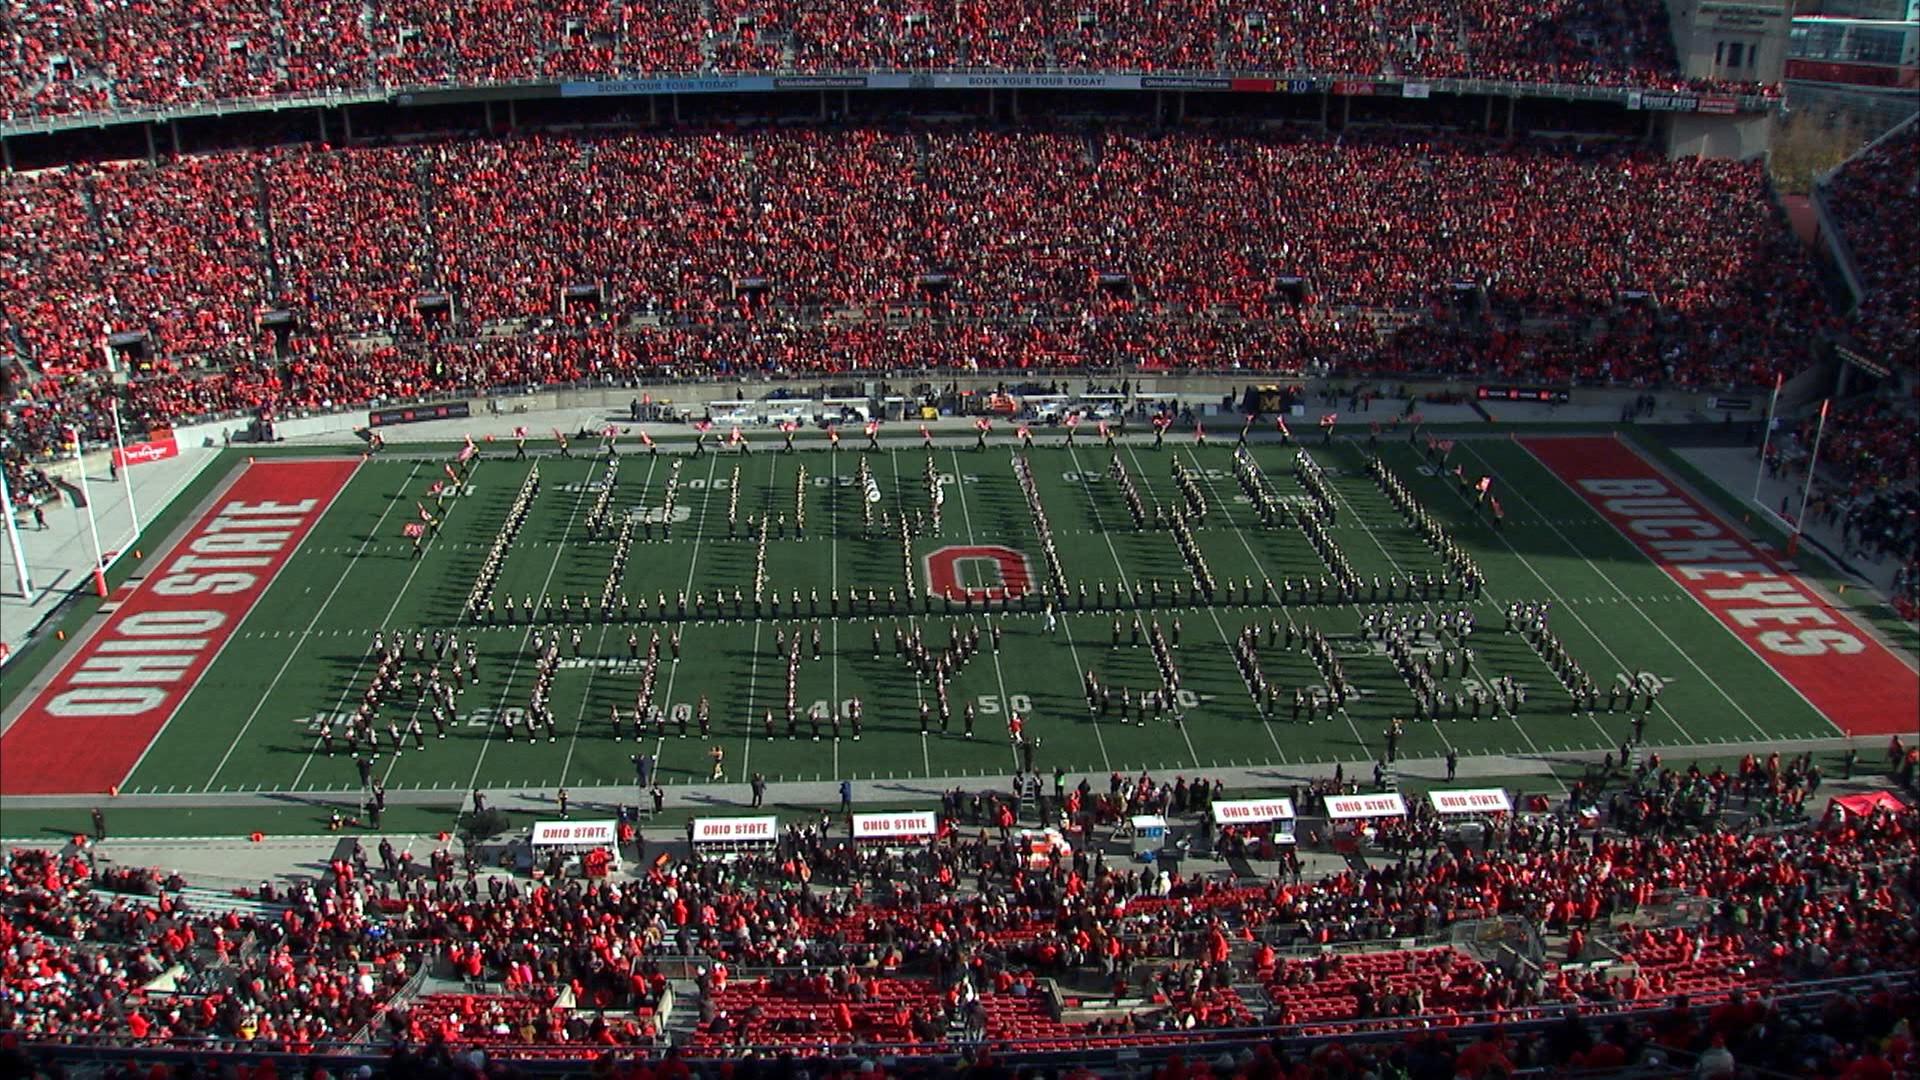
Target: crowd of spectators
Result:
[1874, 199]
[718, 252]
[846, 947]
[92, 56]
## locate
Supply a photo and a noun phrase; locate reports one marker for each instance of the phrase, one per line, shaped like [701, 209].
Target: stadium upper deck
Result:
[91, 57]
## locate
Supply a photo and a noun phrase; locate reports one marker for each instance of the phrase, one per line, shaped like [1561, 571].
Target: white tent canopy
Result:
[1355, 807]
[1471, 801]
[1251, 811]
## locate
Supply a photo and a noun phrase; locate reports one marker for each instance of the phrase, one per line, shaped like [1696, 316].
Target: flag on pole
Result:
[1485, 483]
[1495, 503]
[557, 435]
[1199, 431]
[413, 530]
[873, 428]
[1416, 418]
[1024, 432]
[924, 433]
[646, 439]
[1280, 425]
[1162, 421]
[610, 432]
[1329, 420]
[451, 475]
[1445, 446]
[703, 426]
[424, 515]
[1373, 426]
[1102, 425]
[520, 432]
[983, 424]
[833, 435]
[735, 437]
[790, 427]
[467, 452]
[438, 487]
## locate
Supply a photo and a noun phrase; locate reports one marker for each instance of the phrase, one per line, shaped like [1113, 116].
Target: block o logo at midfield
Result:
[943, 572]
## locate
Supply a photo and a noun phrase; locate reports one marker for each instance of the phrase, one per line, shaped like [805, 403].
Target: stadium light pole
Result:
[120, 444]
[93, 528]
[13, 540]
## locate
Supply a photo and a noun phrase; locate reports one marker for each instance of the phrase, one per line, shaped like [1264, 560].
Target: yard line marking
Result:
[1258, 564]
[1524, 561]
[1687, 656]
[919, 692]
[599, 648]
[833, 574]
[1285, 611]
[295, 650]
[1132, 596]
[693, 567]
[395, 606]
[998, 674]
[520, 653]
[1511, 718]
[753, 671]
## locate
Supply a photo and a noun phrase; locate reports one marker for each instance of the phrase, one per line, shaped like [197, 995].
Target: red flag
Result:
[451, 475]
[1073, 420]
[1373, 426]
[1102, 425]
[1329, 420]
[924, 433]
[1024, 432]
[557, 435]
[703, 426]
[833, 435]
[1495, 503]
[872, 427]
[788, 425]
[1485, 483]
[413, 530]
[611, 432]
[1199, 431]
[1416, 418]
[424, 516]
[646, 438]
[1445, 446]
[1280, 425]
[467, 452]
[1162, 421]
[438, 487]
[983, 424]
[734, 438]
[520, 432]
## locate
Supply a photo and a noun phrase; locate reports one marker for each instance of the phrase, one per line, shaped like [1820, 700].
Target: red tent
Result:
[1867, 803]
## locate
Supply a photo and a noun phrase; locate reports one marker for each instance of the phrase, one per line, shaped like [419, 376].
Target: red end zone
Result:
[90, 725]
[1861, 686]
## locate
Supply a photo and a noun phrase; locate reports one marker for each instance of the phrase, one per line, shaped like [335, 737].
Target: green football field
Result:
[251, 722]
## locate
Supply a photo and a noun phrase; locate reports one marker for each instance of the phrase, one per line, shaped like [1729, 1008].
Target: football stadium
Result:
[814, 540]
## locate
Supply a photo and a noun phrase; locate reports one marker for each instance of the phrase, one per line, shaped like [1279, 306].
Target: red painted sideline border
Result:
[89, 726]
[1843, 671]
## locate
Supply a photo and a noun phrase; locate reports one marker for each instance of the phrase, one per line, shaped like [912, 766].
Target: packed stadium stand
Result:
[1874, 199]
[1656, 938]
[1085, 249]
[100, 57]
